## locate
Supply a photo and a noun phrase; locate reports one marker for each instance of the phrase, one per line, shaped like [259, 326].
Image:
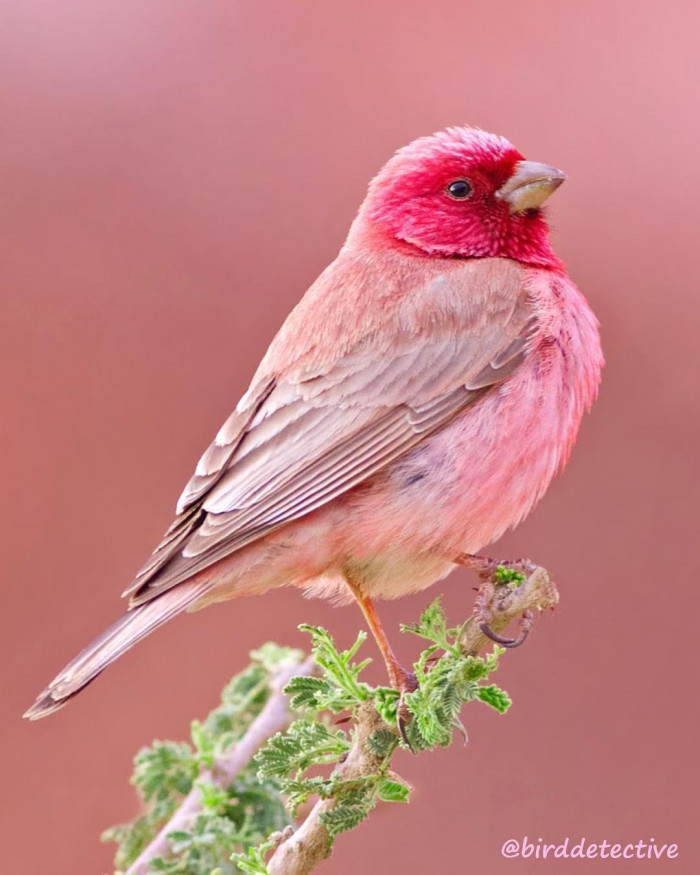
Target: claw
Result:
[406, 683]
[499, 639]
[463, 730]
[403, 717]
[526, 623]
[486, 570]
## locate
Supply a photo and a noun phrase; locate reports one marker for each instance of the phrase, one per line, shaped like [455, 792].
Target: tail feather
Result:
[111, 644]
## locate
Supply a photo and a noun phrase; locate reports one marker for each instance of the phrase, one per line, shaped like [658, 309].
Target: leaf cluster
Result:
[447, 679]
[233, 831]
[304, 758]
[236, 818]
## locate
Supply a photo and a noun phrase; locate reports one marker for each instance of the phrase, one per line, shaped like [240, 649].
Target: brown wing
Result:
[210, 468]
[297, 443]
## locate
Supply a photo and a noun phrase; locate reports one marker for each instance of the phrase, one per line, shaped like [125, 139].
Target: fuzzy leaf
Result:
[393, 791]
[253, 860]
[495, 697]
[381, 742]
[431, 625]
[308, 692]
[305, 743]
[339, 668]
[350, 810]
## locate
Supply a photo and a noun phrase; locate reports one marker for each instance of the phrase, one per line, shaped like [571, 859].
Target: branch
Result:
[274, 717]
[303, 850]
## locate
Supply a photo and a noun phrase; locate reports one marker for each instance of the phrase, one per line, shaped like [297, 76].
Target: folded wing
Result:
[304, 436]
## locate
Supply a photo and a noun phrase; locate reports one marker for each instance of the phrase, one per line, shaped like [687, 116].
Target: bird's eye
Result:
[459, 189]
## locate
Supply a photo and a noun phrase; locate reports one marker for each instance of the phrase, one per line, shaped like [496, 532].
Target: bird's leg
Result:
[488, 572]
[400, 679]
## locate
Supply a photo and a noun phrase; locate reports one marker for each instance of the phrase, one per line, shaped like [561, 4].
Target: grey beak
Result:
[530, 185]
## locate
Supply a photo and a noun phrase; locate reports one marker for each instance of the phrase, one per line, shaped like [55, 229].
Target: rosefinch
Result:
[415, 404]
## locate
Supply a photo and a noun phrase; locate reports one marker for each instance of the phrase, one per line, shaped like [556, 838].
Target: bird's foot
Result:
[497, 570]
[405, 682]
[527, 621]
[493, 572]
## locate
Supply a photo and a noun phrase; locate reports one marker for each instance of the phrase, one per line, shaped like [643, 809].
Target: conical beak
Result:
[530, 185]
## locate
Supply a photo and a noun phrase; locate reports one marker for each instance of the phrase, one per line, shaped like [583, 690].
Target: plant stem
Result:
[273, 718]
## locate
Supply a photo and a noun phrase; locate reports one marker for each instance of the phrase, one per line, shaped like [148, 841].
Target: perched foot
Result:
[405, 682]
[487, 569]
[527, 621]
[493, 572]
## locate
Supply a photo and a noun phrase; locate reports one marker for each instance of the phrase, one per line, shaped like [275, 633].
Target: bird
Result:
[415, 405]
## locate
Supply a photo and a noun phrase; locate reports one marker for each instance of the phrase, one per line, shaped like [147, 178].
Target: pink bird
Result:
[414, 406]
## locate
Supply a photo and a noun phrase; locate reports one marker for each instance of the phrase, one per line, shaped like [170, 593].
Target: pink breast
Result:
[483, 474]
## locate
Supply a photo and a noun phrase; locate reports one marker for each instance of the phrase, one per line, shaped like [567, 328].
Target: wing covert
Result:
[310, 434]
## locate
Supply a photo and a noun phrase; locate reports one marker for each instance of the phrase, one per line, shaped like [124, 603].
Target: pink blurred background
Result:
[174, 174]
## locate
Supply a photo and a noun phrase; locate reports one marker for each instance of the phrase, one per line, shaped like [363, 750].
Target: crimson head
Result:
[461, 193]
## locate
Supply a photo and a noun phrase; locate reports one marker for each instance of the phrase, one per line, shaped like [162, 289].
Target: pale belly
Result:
[462, 488]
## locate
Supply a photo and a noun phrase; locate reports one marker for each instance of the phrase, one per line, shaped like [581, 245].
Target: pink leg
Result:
[399, 678]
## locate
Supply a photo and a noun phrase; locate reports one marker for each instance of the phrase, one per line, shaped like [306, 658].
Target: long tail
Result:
[109, 646]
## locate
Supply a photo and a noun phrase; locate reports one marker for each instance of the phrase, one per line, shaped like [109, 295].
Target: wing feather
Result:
[306, 436]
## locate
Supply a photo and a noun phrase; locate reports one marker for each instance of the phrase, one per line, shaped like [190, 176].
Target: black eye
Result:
[460, 189]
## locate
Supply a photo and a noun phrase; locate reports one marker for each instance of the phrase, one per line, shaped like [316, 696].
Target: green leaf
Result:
[298, 791]
[393, 791]
[213, 797]
[351, 809]
[204, 743]
[431, 625]
[467, 690]
[131, 839]
[491, 659]
[386, 701]
[180, 839]
[509, 575]
[382, 742]
[305, 743]
[164, 770]
[428, 724]
[309, 692]
[271, 655]
[339, 668]
[253, 860]
[474, 668]
[495, 697]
